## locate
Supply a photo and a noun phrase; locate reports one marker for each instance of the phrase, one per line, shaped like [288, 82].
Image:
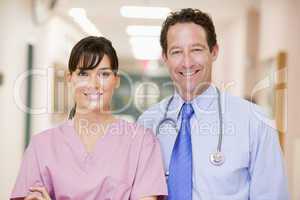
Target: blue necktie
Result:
[180, 181]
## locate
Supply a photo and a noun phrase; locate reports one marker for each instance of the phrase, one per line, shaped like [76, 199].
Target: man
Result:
[248, 164]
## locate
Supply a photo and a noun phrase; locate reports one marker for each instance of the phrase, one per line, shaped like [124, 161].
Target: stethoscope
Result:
[216, 158]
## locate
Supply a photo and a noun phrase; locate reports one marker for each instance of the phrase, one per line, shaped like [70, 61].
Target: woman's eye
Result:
[82, 73]
[105, 74]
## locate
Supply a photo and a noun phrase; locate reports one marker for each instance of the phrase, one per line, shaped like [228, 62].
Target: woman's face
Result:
[93, 88]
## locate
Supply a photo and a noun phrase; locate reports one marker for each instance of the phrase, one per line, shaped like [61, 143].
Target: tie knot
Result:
[187, 111]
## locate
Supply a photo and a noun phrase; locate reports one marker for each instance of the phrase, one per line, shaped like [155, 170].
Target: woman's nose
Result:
[94, 81]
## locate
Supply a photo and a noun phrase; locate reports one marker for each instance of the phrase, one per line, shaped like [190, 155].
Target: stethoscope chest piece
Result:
[217, 158]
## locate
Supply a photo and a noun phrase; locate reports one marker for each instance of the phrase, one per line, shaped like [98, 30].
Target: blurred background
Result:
[259, 60]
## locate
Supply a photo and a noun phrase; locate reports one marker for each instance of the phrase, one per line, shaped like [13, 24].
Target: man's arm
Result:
[267, 173]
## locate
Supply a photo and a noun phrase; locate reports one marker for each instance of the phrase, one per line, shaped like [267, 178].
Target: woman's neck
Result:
[92, 123]
[95, 117]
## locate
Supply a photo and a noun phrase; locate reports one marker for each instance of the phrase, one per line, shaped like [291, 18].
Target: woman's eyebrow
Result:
[84, 69]
[100, 69]
[105, 68]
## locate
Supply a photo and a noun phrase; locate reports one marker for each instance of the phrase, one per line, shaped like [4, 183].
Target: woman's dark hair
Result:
[188, 15]
[88, 53]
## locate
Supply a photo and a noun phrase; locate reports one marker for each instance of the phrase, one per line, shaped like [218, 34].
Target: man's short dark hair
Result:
[189, 15]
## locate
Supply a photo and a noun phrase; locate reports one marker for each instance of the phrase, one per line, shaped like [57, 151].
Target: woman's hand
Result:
[41, 190]
[149, 198]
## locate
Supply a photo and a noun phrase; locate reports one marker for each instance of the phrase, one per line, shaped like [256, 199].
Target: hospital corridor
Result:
[245, 135]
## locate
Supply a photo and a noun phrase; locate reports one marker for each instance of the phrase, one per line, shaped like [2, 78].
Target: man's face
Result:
[189, 59]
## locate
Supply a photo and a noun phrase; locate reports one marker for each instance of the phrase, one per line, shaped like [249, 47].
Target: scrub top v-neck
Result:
[125, 163]
[84, 158]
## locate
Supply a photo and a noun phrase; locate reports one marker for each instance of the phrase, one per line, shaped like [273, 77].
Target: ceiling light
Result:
[79, 16]
[145, 48]
[144, 12]
[136, 30]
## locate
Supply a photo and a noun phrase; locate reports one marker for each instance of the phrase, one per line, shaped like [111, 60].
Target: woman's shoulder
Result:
[49, 134]
[135, 130]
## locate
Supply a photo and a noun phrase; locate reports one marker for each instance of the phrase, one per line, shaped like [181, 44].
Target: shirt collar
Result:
[201, 104]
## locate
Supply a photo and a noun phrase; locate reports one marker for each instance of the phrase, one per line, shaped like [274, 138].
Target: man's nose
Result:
[187, 60]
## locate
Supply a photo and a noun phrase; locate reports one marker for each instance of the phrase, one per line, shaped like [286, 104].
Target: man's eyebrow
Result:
[199, 45]
[174, 47]
[194, 45]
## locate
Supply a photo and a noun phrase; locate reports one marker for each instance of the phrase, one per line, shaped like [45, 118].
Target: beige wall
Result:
[228, 70]
[263, 31]
[52, 42]
[280, 30]
[16, 31]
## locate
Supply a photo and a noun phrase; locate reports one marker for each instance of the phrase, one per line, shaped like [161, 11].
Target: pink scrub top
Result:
[126, 163]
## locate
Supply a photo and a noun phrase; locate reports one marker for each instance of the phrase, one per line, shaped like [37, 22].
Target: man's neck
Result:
[189, 96]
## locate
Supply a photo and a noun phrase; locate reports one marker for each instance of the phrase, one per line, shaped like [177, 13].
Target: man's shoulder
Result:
[153, 113]
[241, 105]
[248, 111]
[157, 108]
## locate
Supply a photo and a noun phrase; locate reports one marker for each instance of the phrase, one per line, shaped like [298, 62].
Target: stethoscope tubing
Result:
[216, 158]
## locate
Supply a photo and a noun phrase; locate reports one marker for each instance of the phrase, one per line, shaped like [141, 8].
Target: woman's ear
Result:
[117, 81]
[68, 76]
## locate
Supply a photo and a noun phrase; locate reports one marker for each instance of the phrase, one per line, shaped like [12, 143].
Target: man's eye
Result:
[197, 50]
[175, 52]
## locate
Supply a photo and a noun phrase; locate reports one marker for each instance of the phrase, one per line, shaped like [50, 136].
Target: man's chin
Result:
[189, 93]
[187, 90]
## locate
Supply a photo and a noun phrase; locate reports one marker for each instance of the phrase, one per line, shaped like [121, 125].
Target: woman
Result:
[93, 155]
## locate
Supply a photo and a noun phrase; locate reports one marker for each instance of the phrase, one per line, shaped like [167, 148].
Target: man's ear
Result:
[164, 57]
[215, 52]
